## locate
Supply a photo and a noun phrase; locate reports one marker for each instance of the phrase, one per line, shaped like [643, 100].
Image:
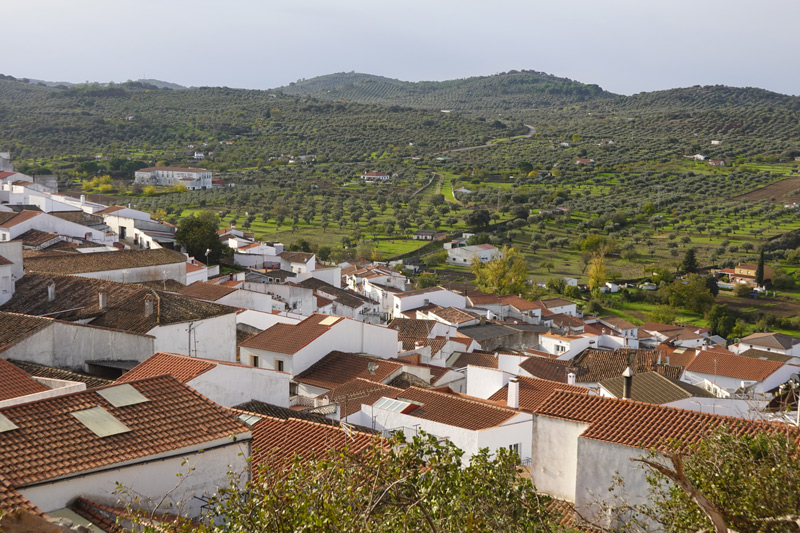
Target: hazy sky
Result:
[625, 46]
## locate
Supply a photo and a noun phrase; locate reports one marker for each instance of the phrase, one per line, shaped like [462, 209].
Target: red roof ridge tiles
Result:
[336, 368]
[19, 218]
[291, 338]
[205, 290]
[643, 425]
[732, 365]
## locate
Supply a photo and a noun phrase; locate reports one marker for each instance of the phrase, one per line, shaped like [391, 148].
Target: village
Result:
[124, 360]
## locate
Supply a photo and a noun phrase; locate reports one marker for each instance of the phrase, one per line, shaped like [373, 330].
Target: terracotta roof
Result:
[642, 425]
[337, 368]
[76, 298]
[556, 302]
[454, 315]
[100, 261]
[549, 369]
[15, 327]
[455, 410]
[290, 338]
[296, 257]
[405, 380]
[731, 365]
[483, 299]
[275, 411]
[277, 441]
[50, 442]
[181, 367]
[419, 292]
[520, 304]
[4, 261]
[10, 499]
[34, 237]
[412, 327]
[42, 371]
[562, 320]
[111, 209]
[771, 340]
[597, 365]
[206, 291]
[352, 394]
[616, 322]
[652, 387]
[533, 391]
[486, 360]
[767, 356]
[15, 383]
[11, 219]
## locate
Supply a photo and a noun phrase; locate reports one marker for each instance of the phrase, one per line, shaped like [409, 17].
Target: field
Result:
[785, 190]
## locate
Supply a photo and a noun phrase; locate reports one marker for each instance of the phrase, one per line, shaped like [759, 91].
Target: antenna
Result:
[372, 367]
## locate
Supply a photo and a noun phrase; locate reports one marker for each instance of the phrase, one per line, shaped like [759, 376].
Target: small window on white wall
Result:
[279, 365]
[514, 448]
[254, 360]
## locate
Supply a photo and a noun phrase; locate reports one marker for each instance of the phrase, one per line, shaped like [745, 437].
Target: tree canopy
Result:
[199, 234]
[508, 274]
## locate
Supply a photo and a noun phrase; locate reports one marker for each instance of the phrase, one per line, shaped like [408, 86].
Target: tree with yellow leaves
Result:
[508, 274]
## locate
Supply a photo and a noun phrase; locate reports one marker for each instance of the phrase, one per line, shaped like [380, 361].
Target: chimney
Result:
[571, 378]
[83, 199]
[668, 360]
[513, 393]
[51, 291]
[102, 298]
[148, 305]
[483, 320]
[628, 385]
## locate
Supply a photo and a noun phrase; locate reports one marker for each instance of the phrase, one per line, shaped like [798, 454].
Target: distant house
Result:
[699, 157]
[375, 176]
[466, 255]
[715, 143]
[191, 178]
[716, 162]
[584, 161]
[745, 273]
[463, 190]
[427, 235]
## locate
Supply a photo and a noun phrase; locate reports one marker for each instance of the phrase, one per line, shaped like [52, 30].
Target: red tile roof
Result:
[15, 327]
[642, 425]
[10, 499]
[337, 368]
[549, 369]
[731, 365]
[277, 441]
[50, 442]
[15, 382]
[533, 392]
[486, 360]
[291, 338]
[455, 410]
[358, 391]
[100, 261]
[4, 261]
[181, 367]
[111, 209]
[9, 220]
[204, 290]
[175, 169]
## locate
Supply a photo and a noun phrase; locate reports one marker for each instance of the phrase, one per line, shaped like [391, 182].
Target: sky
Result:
[625, 46]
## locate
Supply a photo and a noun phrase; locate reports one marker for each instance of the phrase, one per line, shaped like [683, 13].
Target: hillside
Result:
[510, 90]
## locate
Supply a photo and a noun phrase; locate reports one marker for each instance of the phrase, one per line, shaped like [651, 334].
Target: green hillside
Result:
[510, 90]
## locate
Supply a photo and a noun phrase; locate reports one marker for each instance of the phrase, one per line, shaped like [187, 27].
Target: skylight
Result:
[329, 320]
[390, 404]
[6, 424]
[122, 395]
[100, 422]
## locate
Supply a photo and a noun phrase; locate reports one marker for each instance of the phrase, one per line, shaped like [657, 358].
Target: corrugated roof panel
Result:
[100, 422]
[122, 395]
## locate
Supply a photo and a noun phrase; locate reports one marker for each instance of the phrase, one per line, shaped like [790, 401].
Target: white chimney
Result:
[51, 291]
[513, 393]
[83, 199]
[627, 384]
[571, 378]
[102, 298]
[148, 305]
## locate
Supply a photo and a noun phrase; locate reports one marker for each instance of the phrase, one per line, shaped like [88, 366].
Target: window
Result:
[560, 348]
[254, 360]
[514, 448]
[278, 365]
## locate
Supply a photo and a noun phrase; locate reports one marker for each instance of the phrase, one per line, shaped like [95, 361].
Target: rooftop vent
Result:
[100, 422]
[51, 291]
[102, 299]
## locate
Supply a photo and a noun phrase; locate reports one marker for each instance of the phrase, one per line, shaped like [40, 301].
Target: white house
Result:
[13, 224]
[375, 175]
[222, 382]
[293, 348]
[225, 294]
[11, 269]
[470, 424]
[407, 301]
[769, 342]
[138, 435]
[179, 324]
[299, 262]
[191, 178]
[466, 255]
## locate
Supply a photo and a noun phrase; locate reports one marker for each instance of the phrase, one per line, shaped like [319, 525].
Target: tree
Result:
[720, 320]
[597, 271]
[689, 263]
[727, 481]
[760, 269]
[198, 233]
[663, 314]
[691, 294]
[392, 486]
[478, 219]
[426, 279]
[508, 274]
